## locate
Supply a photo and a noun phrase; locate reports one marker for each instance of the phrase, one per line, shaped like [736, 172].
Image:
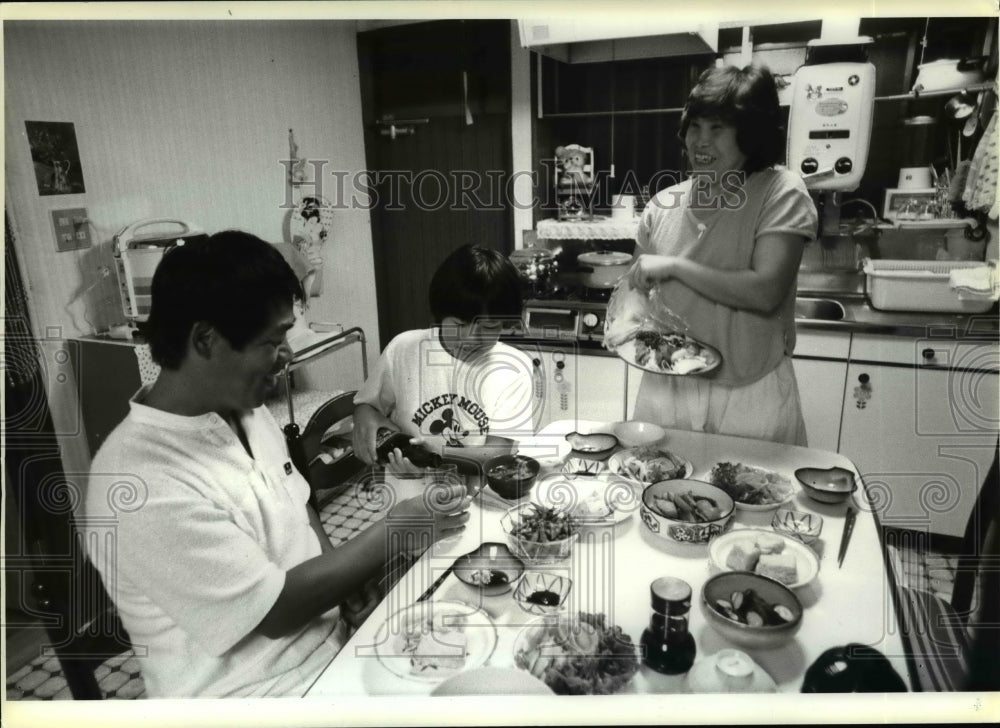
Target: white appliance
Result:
[626, 36]
[830, 124]
[138, 249]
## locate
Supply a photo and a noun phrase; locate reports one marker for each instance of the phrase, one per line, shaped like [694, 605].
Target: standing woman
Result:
[722, 249]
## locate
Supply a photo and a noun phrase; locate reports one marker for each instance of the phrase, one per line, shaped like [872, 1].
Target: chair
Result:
[949, 646]
[67, 594]
[325, 470]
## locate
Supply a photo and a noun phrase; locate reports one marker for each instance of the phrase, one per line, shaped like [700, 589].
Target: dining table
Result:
[611, 569]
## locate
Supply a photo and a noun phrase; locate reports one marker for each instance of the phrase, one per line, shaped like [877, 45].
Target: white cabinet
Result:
[572, 385]
[922, 435]
[820, 365]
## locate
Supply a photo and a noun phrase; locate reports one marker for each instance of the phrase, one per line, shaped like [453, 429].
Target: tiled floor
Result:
[343, 517]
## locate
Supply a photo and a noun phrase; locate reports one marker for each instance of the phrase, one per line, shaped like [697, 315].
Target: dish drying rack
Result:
[926, 285]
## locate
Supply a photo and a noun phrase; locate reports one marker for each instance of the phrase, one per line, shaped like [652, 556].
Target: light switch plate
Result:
[72, 228]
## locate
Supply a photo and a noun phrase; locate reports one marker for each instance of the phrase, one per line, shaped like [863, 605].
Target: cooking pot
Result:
[948, 74]
[536, 266]
[603, 268]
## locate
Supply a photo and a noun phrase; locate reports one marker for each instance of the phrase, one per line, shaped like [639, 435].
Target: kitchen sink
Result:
[823, 309]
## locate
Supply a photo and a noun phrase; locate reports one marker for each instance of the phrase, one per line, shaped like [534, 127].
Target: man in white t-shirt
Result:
[194, 514]
[453, 384]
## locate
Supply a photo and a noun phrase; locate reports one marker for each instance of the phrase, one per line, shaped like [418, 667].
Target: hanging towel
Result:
[981, 185]
[980, 282]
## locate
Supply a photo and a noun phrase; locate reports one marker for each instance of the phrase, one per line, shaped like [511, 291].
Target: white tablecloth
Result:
[612, 571]
[597, 228]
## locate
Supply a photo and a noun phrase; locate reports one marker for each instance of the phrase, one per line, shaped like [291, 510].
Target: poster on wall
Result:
[56, 157]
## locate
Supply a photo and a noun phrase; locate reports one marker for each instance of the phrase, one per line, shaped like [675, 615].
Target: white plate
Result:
[615, 464]
[594, 499]
[481, 635]
[806, 561]
[757, 507]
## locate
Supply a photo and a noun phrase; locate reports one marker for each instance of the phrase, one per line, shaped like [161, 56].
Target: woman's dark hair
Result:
[475, 281]
[232, 280]
[747, 98]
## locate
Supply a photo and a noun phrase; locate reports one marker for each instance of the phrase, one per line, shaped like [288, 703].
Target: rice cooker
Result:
[830, 124]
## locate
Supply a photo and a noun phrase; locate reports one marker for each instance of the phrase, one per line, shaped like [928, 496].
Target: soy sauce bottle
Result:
[667, 645]
[387, 440]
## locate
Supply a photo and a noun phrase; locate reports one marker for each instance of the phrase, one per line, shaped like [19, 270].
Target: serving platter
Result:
[438, 623]
[691, 357]
[617, 463]
[806, 561]
[759, 477]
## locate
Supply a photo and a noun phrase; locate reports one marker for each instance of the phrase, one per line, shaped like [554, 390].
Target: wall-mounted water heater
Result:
[830, 124]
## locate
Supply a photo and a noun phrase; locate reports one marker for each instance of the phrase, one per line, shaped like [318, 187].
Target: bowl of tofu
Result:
[773, 555]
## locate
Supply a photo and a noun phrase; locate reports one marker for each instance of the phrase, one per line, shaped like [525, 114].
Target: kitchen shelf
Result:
[914, 96]
[596, 228]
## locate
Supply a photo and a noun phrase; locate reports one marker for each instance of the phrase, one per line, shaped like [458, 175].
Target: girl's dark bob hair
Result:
[747, 98]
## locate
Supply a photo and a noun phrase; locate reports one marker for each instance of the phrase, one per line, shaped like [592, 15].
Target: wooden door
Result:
[440, 183]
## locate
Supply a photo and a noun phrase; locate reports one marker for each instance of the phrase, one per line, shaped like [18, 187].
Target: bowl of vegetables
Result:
[753, 488]
[751, 610]
[539, 534]
[512, 476]
[686, 511]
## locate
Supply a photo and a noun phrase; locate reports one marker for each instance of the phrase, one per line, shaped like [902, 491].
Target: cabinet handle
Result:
[928, 355]
[862, 392]
[560, 365]
[863, 378]
[536, 362]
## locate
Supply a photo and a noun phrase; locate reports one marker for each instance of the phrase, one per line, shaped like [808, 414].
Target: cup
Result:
[623, 207]
[915, 178]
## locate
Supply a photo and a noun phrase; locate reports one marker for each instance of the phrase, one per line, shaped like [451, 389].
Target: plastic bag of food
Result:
[631, 310]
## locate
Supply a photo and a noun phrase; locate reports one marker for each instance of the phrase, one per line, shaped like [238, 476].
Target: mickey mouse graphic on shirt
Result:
[450, 428]
[450, 417]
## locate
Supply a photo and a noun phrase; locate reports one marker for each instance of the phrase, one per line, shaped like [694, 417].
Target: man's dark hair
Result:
[747, 98]
[475, 281]
[232, 280]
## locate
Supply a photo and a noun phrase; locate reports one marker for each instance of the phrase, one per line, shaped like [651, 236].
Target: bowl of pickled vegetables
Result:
[511, 476]
[686, 511]
[540, 534]
[751, 610]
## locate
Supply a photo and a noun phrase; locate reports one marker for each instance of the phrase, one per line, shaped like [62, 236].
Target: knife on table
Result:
[845, 538]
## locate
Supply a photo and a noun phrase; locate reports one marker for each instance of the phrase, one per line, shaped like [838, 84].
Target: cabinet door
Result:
[571, 386]
[923, 440]
[821, 391]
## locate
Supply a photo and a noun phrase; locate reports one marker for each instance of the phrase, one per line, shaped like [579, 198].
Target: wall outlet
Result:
[72, 228]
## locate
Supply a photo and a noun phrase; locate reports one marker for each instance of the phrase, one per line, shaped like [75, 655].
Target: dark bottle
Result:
[387, 440]
[667, 646]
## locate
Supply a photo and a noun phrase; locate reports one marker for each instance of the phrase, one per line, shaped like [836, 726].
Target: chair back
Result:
[307, 448]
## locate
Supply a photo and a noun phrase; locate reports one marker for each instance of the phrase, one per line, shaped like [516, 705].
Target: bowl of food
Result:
[751, 610]
[686, 511]
[648, 464]
[540, 592]
[583, 466]
[830, 485]
[512, 476]
[577, 654]
[592, 445]
[752, 487]
[806, 527]
[634, 433]
[540, 534]
[491, 569]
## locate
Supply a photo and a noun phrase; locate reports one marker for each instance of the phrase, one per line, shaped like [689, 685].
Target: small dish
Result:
[592, 446]
[783, 610]
[491, 569]
[634, 433]
[583, 466]
[542, 593]
[830, 485]
[512, 476]
[594, 500]
[805, 559]
[806, 527]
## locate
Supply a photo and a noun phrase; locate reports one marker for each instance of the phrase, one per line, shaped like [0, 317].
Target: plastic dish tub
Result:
[919, 285]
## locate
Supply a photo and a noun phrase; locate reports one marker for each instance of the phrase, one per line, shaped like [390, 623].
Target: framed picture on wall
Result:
[56, 157]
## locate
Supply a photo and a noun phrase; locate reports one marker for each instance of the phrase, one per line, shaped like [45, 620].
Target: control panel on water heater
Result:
[830, 124]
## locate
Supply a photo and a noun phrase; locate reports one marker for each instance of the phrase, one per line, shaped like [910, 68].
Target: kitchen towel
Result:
[978, 283]
[981, 184]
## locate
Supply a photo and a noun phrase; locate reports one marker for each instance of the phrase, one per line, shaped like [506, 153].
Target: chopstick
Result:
[434, 587]
[845, 538]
